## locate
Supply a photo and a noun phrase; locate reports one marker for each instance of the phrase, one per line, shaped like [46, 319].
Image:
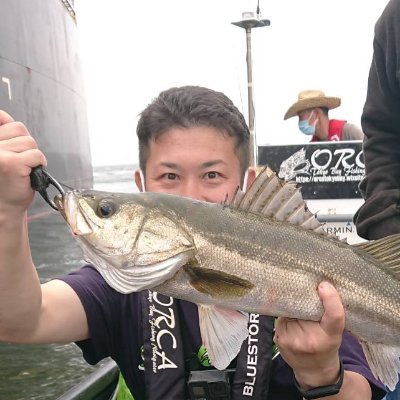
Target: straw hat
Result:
[311, 99]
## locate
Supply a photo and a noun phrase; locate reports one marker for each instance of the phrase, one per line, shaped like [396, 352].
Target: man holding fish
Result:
[193, 142]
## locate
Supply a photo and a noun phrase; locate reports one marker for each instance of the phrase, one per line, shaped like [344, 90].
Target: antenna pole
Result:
[249, 22]
[250, 103]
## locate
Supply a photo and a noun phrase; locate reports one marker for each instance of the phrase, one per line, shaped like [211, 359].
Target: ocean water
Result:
[46, 371]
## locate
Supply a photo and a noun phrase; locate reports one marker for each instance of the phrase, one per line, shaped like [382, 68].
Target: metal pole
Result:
[249, 22]
[253, 140]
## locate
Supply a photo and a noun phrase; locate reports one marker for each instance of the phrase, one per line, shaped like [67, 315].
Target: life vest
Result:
[253, 363]
[335, 131]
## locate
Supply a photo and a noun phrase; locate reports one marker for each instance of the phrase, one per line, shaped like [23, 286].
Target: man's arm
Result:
[312, 349]
[29, 312]
[379, 216]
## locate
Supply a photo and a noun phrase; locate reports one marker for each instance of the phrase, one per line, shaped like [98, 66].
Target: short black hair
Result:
[190, 106]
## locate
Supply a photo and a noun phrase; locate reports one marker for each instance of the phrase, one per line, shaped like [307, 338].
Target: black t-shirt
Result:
[116, 331]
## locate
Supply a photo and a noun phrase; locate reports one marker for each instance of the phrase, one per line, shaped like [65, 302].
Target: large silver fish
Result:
[263, 253]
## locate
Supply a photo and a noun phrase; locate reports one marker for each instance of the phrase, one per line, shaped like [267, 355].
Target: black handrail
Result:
[99, 385]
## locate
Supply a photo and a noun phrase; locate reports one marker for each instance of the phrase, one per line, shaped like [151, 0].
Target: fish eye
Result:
[105, 209]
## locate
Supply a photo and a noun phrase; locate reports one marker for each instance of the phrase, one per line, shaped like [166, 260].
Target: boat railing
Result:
[100, 385]
[335, 217]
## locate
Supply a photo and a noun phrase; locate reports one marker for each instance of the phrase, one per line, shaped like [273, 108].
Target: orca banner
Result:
[324, 170]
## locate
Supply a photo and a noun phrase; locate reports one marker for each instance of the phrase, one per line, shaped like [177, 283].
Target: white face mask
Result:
[142, 180]
[305, 127]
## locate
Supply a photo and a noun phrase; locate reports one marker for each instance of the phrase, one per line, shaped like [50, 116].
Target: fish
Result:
[262, 252]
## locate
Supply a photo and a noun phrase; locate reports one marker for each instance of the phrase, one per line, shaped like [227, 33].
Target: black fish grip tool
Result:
[41, 180]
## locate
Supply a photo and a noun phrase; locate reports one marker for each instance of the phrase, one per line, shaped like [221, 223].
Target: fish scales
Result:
[286, 261]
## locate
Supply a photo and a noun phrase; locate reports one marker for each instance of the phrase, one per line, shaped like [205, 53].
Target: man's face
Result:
[306, 114]
[199, 162]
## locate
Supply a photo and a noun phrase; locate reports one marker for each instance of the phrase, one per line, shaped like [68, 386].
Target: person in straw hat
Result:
[312, 107]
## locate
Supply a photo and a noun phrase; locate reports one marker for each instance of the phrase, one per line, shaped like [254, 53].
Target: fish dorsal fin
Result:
[277, 199]
[239, 194]
[386, 250]
[258, 194]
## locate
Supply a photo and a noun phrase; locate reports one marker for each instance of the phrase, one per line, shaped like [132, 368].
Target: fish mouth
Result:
[71, 210]
[59, 202]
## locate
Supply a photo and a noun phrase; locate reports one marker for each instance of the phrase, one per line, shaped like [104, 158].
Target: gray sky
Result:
[131, 50]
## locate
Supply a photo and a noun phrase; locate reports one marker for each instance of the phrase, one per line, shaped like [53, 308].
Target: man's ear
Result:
[251, 176]
[138, 180]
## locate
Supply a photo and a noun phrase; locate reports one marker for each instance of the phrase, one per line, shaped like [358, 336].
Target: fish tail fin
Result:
[384, 362]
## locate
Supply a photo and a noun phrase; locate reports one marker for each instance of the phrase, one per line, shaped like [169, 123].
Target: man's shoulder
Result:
[86, 275]
[88, 282]
[387, 27]
[352, 132]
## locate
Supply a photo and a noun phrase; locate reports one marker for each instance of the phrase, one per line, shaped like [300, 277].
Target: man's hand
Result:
[312, 348]
[18, 155]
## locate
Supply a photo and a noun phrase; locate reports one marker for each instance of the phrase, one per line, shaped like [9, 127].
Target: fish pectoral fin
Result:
[384, 362]
[223, 332]
[217, 284]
